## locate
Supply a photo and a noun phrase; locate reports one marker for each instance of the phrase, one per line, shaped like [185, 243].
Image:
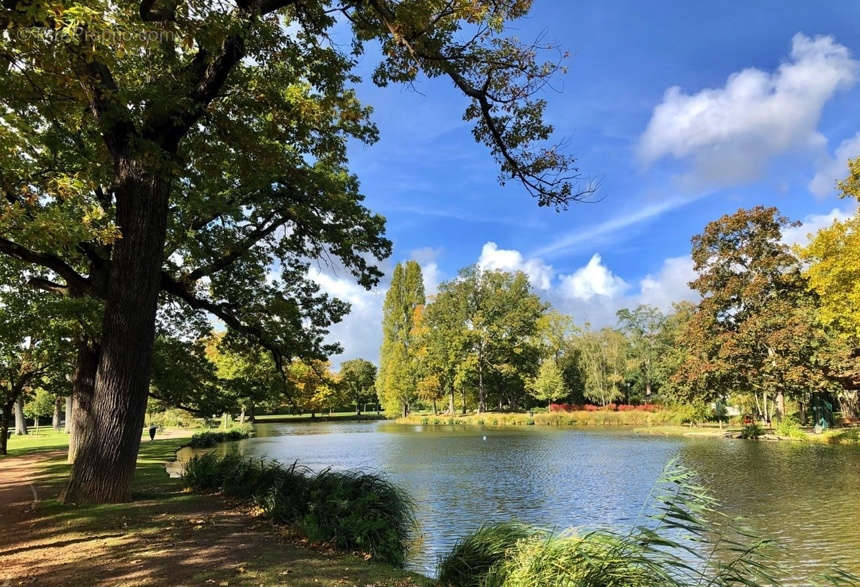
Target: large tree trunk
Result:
[58, 410]
[79, 417]
[780, 405]
[451, 408]
[5, 421]
[20, 423]
[104, 465]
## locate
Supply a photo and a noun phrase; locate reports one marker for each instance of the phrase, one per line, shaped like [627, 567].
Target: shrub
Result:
[172, 418]
[789, 427]
[350, 510]
[208, 438]
[751, 431]
[472, 558]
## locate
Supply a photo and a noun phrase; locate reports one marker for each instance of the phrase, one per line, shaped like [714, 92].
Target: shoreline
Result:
[657, 423]
[165, 535]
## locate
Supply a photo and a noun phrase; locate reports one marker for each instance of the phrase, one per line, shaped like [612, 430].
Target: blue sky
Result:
[682, 111]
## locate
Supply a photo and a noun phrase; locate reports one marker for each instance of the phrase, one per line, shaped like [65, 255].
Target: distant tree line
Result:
[774, 324]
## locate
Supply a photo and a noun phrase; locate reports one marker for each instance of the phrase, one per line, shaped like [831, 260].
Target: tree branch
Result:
[237, 251]
[73, 279]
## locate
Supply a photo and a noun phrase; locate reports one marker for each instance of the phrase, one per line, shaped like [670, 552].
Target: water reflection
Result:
[804, 496]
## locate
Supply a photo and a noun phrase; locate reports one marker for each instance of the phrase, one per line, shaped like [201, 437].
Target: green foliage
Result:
[397, 381]
[351, 510]
[789, 427]
[603, 358]
[41, 404]
[170, 417]
[752, 431]
[685, 543]
[476, 554]
[357, 378]
[483, 330]
[549, 383]
[207, 439]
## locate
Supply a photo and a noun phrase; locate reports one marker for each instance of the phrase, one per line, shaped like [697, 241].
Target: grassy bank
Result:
[165, 536]
[577, 419]
[838, 436]
[324, 417]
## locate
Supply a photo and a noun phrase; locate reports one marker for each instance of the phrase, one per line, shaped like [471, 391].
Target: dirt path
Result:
[21, 488]
[164, 537]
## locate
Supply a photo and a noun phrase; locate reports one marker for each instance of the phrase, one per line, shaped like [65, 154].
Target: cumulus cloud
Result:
[799, 235]
[430, 271]
[495, 259]
[729, 134]
[835, 167]
[592, 293]
[595, 279]
[360, 333]
[668, 285]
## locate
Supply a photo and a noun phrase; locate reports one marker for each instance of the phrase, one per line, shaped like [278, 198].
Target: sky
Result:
[681, 111]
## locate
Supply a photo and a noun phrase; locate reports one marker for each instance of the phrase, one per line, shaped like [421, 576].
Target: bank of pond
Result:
[538, 505]
[655, 421]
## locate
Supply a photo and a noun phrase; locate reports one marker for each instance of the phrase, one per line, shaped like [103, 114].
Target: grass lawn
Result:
[164, 536]
[46, 439]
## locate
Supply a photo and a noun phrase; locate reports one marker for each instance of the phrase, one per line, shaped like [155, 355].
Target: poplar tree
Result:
[397, 381]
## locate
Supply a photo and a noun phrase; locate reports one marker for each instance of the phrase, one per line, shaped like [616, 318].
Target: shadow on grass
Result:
[164, 536]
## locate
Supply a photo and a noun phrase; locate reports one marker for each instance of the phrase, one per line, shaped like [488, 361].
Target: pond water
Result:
[807, 497]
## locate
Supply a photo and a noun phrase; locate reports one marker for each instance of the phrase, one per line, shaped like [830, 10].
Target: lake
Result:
[805, 496]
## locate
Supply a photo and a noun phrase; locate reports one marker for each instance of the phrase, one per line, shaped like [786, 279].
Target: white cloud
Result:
[592, 280]
[799, 235]
[833, 168]
[729, 134]
[493, 258]
[669, 285]
[426, 257]
[360, 333]
[581, 237]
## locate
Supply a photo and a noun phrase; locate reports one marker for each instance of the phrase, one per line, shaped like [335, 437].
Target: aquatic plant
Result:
[685, 542]
[348, 509]
[473, 556]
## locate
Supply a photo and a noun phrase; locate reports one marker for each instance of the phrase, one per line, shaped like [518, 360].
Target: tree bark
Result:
[20, 422]
[780, 405]
[58, 410]
[482, 406]
[5, 421]
[104, 465]
[451, 408]
[69, 409]
[79, 417]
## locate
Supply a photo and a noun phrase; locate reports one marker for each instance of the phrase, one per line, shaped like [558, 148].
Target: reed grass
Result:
[348, 509]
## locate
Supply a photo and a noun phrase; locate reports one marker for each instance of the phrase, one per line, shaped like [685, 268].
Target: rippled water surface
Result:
[806, 497]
